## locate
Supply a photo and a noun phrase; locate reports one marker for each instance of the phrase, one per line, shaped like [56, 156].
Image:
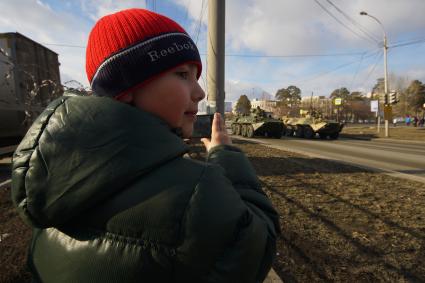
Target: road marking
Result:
[5, 183]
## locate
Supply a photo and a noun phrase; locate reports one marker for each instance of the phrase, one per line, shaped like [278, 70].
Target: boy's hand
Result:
[219, 134]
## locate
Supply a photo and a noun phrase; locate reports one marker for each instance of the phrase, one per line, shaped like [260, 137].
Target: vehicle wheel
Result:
[237, 129]
[243, 130]
[299, 132]
[289, 132]
[233, 129]
[249, 131]
[323, 136]
[278, 134]
[308, 133]
[334, 136]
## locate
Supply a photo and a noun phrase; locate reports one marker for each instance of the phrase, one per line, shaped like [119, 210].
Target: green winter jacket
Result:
[112, 199]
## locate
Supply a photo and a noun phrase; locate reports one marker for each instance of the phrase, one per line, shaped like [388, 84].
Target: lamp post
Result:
[363, 13]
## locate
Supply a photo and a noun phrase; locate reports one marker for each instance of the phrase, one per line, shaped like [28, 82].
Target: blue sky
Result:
[287, 38]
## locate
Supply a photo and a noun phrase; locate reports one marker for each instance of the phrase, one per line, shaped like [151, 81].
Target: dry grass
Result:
[400, 132]
[341, 223]
[14, 241]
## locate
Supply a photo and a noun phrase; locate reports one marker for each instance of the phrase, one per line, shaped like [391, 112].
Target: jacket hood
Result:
[82, 150]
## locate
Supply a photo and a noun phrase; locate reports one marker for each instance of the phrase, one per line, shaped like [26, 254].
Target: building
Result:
[204, 109]
[29, 80]
[266, 105]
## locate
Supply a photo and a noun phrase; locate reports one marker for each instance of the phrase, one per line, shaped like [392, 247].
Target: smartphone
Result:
[202, 126]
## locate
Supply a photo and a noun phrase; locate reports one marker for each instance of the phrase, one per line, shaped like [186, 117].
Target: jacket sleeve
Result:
[230, 225]
[238, 169]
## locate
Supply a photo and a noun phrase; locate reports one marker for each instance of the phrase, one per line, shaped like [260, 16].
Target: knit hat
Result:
[131, 47]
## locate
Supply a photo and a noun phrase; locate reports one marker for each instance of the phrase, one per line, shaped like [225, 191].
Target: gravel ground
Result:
[339, 223]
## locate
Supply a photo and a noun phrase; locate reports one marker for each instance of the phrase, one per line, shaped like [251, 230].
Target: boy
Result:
[103, 181]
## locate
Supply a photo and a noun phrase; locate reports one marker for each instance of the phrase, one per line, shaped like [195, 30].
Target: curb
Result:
[356, 137]
[344, 136]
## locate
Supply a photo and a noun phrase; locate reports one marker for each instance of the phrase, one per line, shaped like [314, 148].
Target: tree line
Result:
[354, 104]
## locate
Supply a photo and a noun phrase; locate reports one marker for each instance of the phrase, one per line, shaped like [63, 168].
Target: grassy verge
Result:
[369, 132]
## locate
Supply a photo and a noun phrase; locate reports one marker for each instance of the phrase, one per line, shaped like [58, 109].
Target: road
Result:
[398, 158]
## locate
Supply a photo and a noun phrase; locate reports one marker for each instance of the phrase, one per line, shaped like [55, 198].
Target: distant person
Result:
[105, 184]
[395, 122]
[422, 121]
[415, 121]
[407, 120]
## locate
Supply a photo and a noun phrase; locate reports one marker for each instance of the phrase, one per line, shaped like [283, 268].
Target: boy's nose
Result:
[198, 93]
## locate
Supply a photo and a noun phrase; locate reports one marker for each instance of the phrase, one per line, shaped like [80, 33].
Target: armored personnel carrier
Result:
[257, 123]
[308, 127]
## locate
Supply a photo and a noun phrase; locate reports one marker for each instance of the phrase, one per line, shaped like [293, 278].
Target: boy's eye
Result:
[183, 75]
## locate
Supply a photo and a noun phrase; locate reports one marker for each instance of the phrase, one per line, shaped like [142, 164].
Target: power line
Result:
[201, 15]
[315, 76]
[357, 70]
[378, 57]
[64, 45]
[340, 22]
[335, 69]
[245, 55]
[419, 41]
[294, 55]
[408, 40]
[360, 27]
[187, 12]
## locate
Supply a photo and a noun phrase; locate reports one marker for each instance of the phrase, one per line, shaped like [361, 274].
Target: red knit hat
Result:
[128, 48]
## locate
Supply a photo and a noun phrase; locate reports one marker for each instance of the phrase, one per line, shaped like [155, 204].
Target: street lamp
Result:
[363, 13]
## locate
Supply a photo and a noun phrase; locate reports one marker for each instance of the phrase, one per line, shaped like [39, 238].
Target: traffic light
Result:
[383, 98]
[392, 97]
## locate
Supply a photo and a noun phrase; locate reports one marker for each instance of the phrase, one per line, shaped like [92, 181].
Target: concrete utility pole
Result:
[215, 51]
[385, 68]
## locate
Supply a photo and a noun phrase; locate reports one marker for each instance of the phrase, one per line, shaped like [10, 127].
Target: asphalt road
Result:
[398, 158]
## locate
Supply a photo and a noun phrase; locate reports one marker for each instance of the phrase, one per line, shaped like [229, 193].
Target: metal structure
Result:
[363, 13]
[29, 80]
[215, 50]
[257, 123]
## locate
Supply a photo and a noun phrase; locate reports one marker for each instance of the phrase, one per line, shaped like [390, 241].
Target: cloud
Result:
[42, 24]
[271, 27]
[234, 89]
[96, 9]
[267, 27]
[282, 27]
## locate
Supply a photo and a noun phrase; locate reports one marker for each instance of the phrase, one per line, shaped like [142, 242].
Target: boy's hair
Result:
[131, 47]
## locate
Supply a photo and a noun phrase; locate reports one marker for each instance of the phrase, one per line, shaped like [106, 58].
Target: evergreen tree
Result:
[416, 95]
[243, 105]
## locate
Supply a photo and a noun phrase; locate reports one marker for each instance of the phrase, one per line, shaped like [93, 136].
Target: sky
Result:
[316, 45]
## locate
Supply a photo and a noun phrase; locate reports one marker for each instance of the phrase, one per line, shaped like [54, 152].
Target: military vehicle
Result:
[308, 127]
[257, 123]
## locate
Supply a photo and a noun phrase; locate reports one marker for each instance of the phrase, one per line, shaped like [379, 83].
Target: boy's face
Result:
[174, 97]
